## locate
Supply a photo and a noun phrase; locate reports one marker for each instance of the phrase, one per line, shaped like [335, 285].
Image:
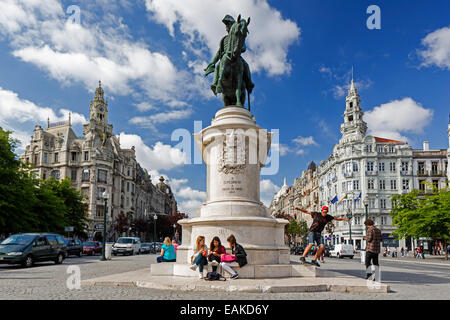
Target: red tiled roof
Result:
[383, 140]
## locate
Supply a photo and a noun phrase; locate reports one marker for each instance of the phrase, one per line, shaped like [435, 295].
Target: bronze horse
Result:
[231, 78]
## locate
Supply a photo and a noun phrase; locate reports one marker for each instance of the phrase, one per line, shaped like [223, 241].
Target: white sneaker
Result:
[214, 263]
[194, 267]
[200, 275]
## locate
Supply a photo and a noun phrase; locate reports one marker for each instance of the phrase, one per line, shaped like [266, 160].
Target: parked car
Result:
[145, 248]
[28, 248]
[74, 247]
[127, 245]
[91, 248]
[342, 250]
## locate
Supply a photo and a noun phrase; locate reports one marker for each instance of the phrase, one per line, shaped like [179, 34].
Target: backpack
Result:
[214, 276]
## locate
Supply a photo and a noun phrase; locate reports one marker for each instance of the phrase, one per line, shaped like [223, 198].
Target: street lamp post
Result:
[366, 205]
[105, 197]
[155, 217]
[349, 216]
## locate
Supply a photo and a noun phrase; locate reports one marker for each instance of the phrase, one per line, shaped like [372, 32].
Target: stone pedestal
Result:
[234, 149]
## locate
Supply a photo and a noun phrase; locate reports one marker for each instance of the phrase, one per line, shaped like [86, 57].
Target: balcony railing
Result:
[348, 174]
[436, 173]
[422, 173]
[371, 173]
[404, 172]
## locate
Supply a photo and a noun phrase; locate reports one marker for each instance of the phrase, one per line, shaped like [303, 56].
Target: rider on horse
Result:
[216, 87]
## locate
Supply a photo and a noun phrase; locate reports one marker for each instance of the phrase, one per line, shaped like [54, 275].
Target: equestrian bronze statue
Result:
[232, 76]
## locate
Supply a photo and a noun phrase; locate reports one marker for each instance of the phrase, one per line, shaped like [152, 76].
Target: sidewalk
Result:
[143, 279]
[429, 259]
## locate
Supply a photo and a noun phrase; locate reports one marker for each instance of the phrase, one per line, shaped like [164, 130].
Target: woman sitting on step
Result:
[238, 254]
[167, 252]
[216, 250]
[198, 259]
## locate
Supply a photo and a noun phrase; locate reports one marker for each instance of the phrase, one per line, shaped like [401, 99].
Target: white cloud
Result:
[200, 22]
[16, 112]
[437, 49]
[41, 34]
[394, 119]
[162, 117]
[305, 141]
[158, 157]
[267, 191]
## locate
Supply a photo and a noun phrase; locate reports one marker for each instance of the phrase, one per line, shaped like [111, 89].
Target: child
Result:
[198, 259]
[216, 250]
[241, 257]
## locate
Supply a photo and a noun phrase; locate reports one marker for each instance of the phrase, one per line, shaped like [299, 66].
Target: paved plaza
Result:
[408, 279]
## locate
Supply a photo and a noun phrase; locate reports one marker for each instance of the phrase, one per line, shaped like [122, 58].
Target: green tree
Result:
[75, 209]
[423, 215]
[28, 204]
[17, 189]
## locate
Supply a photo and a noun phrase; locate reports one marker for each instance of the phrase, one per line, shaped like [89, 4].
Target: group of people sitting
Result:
[216, 255]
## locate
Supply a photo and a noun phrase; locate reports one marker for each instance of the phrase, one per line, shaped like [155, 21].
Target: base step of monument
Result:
[246, 272]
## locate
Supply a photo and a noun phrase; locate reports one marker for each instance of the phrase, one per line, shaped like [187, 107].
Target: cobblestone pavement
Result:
[48, 281]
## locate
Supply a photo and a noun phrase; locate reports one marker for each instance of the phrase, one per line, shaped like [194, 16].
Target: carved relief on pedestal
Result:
[232, 158]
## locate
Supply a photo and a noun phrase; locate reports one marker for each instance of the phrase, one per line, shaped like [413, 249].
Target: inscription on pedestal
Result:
[232, 186]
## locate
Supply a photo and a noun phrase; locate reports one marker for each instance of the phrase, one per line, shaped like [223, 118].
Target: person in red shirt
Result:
[216, 250]
[175, 244]
[314, 236]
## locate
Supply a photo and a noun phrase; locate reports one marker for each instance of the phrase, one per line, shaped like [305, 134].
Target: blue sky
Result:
[150, 55]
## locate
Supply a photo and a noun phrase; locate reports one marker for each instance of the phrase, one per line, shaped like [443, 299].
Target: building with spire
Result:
[96, 163]
[359, 177]
[364, 171]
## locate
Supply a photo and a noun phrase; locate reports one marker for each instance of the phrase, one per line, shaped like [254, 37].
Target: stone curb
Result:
[243, 288]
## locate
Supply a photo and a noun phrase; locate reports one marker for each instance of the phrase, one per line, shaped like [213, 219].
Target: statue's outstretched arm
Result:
[211, 66]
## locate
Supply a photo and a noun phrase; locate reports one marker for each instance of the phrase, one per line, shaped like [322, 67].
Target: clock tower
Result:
[99, 108]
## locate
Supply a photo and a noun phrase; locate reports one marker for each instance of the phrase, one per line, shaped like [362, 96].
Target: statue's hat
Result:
[228, 19]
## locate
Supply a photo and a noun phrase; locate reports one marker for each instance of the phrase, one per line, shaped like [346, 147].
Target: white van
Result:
[342, 250]
[127, 245]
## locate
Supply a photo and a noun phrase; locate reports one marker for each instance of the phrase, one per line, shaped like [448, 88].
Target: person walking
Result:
[373, 239]
[314, 236]
[198, 259]
[402, 251]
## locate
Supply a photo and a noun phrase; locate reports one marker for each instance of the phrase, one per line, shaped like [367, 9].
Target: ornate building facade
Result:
[96, 163]
[360, 176]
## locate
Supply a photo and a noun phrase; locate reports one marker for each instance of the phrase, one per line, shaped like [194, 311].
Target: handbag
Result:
[228, 258]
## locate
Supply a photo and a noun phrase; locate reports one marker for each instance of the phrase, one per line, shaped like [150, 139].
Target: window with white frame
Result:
[355, 184]
[380, 166]
[393, 184]
[370, 184]
[404, 166]
[382, 184]
[405, 184]
[370, 166]
[392, 166]
[382, 203]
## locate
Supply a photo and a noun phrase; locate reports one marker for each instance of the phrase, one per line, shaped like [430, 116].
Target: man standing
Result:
[373, 239]
[314, 235]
